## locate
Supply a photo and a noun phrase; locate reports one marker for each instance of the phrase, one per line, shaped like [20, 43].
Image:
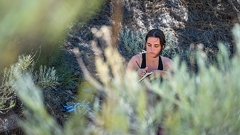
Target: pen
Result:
[138, 64]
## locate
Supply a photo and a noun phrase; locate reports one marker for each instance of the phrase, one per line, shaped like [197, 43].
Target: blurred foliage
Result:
[31, 96]
[202, 103]
[38, 26]
[87, 91]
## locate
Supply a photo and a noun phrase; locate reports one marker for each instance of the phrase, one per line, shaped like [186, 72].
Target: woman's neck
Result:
[151, 59]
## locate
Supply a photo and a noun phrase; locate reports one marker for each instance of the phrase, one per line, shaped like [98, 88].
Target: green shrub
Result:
[133, 42]
[8, 96]
[202, 103]
[7, 100]
[45, 77]
[170, 49]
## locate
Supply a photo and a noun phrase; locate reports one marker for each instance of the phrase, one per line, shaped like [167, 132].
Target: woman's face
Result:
[153, 46]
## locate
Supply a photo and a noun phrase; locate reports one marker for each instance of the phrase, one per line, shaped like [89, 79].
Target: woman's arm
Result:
[167, 69]
[161, 73]
[133, 64]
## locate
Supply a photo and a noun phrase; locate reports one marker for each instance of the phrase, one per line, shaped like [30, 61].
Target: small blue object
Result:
[70, 107]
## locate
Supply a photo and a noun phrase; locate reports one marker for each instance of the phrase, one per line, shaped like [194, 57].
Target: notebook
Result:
[146, 75]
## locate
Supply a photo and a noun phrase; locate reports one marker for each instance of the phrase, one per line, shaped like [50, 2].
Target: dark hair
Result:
[157, 34]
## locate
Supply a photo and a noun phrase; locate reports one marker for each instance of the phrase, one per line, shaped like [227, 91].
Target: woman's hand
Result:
[142, 71]
[161, 73]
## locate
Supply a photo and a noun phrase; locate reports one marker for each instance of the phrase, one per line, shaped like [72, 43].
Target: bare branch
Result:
[86, 72]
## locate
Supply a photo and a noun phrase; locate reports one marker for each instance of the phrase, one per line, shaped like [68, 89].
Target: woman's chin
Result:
[153, 55]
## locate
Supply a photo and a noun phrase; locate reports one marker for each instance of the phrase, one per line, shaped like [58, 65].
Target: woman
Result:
[152, 61]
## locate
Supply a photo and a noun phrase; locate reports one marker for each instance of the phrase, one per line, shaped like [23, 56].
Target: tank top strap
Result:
[143, 64]
[160, 64]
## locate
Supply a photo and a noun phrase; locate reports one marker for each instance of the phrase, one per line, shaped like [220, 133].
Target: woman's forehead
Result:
[153, 40]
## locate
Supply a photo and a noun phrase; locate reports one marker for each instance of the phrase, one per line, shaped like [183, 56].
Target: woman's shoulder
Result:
[167, 62]
[166, 59]
[136, 57]
[132, 63]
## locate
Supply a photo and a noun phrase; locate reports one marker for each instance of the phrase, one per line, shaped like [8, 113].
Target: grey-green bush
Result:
[204, 103]
[132, 41]
[45, 77]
